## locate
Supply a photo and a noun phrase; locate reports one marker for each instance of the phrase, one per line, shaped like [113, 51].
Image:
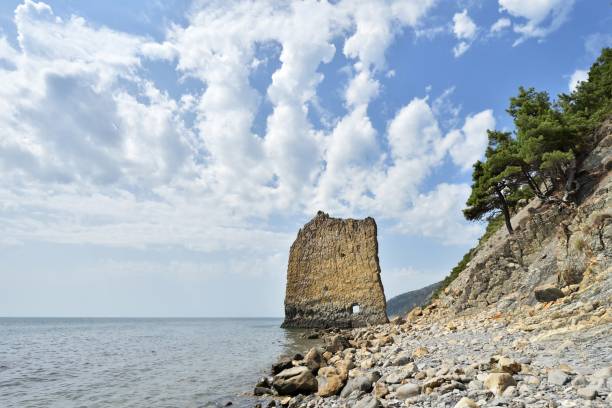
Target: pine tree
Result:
[496, 181]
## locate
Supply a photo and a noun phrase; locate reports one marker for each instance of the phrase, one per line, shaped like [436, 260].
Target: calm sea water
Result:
[137, 362]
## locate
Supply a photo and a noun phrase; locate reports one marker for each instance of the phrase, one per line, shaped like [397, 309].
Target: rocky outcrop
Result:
[333, 277]
[555, 245]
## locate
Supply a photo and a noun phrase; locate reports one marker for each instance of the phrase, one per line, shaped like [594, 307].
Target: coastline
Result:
[487, 358]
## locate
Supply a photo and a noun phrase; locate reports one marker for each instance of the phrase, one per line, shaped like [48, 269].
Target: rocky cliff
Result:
[333, 276]
[555, 244]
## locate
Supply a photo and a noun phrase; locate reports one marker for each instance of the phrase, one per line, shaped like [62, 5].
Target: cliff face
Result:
[333, 277]
[566, 246]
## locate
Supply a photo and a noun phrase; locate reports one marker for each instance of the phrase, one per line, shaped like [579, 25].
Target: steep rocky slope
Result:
[553, 244]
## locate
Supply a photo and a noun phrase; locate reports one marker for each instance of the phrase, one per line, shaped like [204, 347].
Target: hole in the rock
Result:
[356, 309]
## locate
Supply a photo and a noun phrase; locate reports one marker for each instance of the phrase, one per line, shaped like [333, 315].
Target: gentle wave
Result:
[136, 362]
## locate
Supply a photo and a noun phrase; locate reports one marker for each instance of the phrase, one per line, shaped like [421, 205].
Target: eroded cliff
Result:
[555, 244]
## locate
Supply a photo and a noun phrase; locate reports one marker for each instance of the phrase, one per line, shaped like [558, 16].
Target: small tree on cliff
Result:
[543, 133]
[496, 183]
[559, 167]
[504, 154]
[591, 102]
[488, 197]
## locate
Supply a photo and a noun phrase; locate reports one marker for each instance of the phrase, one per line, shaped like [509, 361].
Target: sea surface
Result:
[80, 362]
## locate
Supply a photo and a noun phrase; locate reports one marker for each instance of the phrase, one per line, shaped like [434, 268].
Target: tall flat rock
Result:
[333, 277]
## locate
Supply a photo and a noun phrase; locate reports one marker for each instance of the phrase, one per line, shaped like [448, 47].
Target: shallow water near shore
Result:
[111, 362]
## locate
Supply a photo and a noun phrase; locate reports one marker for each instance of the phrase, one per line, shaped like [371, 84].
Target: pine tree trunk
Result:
[505, 210]
[571, 184]
[532, 183]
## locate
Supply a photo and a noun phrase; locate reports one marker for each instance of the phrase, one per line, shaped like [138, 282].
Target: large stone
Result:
[336, 343]
[402, 359]
[282, 364]
[420, 352]
[407, 391]
[509, 365]
[361, 383]
[557, 377]
[498, 382]
[395, 377]
[380, 389]
[414, 314]
[313, 359]
[333, 277]
[329, 382]
[296, 380]
[343, 367]
[262, 391]
[548, 293]
[587, 393]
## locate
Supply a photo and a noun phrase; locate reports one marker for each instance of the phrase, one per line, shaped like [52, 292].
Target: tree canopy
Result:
[549, 142]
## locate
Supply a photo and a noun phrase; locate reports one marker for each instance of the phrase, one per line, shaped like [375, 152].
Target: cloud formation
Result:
[541, 17]
[95, 151]
[578, 76]
[500, 25]
[465, 30]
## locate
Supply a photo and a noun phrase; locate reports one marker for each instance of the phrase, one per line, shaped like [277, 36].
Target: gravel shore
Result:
[555, 354]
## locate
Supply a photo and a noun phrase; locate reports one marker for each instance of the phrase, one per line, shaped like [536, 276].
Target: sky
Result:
[158, 158]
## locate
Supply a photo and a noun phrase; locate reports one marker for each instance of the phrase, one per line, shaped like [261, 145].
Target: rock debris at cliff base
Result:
[549, 355]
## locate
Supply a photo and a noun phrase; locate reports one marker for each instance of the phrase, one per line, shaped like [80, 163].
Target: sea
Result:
[109, 362]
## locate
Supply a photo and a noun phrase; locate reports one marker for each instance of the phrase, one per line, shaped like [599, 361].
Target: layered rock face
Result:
[333, 277]
[555, 245]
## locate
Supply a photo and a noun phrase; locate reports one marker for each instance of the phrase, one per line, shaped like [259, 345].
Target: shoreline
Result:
[430, 359]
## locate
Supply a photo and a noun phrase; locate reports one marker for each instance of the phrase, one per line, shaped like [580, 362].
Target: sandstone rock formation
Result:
[333, 277]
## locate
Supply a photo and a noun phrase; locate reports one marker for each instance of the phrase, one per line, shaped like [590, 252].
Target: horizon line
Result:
[141, 317]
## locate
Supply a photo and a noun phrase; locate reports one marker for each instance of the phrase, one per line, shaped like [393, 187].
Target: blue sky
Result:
[158, 158]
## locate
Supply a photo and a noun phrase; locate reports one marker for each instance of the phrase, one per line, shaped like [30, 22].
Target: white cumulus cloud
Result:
[93, 151]
[465, 30]
[468, 144]
[542, 17]
[501, 25]
[578, 76]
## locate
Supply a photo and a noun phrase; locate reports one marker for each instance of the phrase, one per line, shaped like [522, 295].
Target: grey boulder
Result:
[358, 383]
